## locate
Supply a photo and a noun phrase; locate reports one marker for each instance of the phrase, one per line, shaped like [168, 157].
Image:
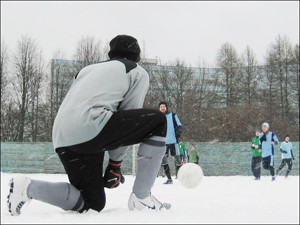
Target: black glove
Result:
[178, 131]
[113, 175]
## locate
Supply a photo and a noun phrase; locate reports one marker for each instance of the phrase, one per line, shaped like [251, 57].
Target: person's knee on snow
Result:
[97, 201]
[99, 204]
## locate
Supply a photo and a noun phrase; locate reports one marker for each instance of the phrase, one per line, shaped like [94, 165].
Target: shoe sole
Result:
[11, 188]
[19, 206]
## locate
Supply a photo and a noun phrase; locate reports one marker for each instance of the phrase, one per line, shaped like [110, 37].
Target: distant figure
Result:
[287, 156]
[193, 155]
[256, 156]
[181, 156]
[174, 129]
[267, 140]
[184, 154]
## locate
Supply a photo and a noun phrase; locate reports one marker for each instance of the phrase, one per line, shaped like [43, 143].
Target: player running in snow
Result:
[287, 156]
[267, 140]
[256, 156]
[102, 111]
[174, 129]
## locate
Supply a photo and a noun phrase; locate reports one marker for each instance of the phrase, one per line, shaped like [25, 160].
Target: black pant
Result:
[85, 173]
[83, 162]
[127, 127]
[289, 162]
[268, 164]
[177, 163]
[169, 148]
[255, 166]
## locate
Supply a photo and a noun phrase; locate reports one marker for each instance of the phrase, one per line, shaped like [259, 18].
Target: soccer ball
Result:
[190, 175]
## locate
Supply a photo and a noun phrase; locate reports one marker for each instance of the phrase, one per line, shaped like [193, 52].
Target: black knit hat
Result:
[124, 46]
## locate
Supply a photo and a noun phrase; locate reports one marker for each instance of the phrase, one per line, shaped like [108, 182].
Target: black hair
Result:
[163, 103]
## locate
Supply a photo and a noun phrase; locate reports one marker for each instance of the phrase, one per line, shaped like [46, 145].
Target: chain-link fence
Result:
[216, 159]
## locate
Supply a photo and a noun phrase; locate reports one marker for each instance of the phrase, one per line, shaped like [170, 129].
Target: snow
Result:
[222, 199]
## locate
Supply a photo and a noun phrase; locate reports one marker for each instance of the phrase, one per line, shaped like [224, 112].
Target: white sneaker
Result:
[17, 196]
[147, 203]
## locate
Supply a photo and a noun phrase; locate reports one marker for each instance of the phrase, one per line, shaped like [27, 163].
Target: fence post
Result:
[133, 159]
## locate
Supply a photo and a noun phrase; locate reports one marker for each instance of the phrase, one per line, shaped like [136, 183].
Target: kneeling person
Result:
[102, 111]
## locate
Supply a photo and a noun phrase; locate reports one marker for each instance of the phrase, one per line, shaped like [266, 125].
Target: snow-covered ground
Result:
[235, 199]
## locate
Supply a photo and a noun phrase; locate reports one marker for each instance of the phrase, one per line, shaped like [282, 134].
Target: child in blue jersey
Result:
[287, 156]
[267, 140]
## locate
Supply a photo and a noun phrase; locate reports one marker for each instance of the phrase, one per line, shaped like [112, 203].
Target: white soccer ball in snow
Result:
[190, 175]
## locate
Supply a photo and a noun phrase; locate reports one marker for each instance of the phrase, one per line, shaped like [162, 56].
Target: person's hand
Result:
[272, 142]
[113, 176]
[259, 150]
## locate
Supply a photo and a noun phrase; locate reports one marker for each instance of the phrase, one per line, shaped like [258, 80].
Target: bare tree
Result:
[197, 91]
[269, 92]
[229, 68]
[26, 63]
[181, 81]
[155, 93]
[296, 69]
[88, 51]
[197, 101]
[173, 82]
[3, 69]
[294, 84]
[4, 90]
[250, 75]
[280, 58]
[36, 98]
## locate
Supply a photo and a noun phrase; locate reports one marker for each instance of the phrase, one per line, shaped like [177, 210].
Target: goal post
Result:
[134, 154]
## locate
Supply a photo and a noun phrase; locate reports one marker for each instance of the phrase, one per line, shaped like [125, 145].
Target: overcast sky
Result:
[187, 30]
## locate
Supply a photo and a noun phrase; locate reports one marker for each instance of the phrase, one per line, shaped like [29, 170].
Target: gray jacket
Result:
[96, 92]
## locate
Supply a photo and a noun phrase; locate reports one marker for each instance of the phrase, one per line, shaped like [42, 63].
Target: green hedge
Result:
[216, 159]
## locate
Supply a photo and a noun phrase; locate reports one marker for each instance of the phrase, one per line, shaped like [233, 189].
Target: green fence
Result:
[216, 159]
